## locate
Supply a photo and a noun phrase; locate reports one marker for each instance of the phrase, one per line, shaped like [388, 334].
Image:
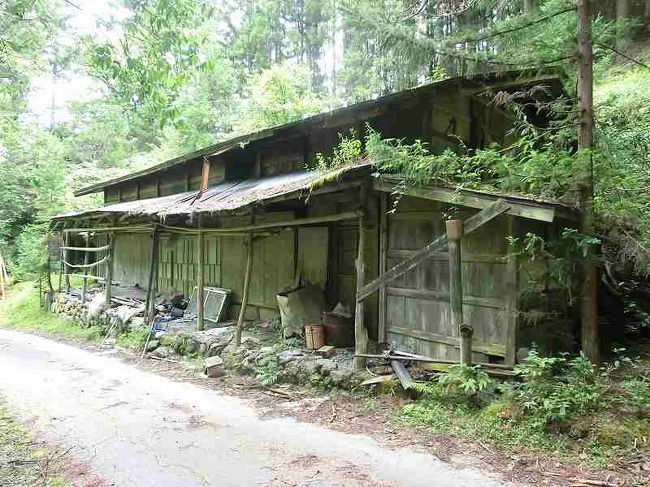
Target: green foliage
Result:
[269, 373]
[468, 380]
[558, 388]
[160, 50]
[637, 390]
[562, 257]
[22, 310]
[279, 95]
[623, 162]
[561, 404]
[347, 152]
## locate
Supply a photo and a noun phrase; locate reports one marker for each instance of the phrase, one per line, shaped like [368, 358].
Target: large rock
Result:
[163, 352]
[214, 367]
[341, 377]
[97, 305]
[325, 366]
[250, 343]
[287, 356]
[213, 341]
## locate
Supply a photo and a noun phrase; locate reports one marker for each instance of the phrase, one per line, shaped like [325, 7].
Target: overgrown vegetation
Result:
[22, 310]
[562, 404]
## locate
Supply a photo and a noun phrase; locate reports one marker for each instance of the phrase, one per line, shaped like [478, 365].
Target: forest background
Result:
[169, 76]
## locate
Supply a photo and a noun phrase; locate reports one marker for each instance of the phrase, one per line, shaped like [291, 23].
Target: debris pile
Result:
[296, 365]
[70, 307]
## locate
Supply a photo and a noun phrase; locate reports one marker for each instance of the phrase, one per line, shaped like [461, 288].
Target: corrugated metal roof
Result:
[226, 196]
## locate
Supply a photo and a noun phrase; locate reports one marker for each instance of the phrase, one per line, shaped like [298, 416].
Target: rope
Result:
[87, 249]
[85, 266]
[86, 276]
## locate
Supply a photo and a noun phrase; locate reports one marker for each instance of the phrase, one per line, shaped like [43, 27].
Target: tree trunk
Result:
[528, 6]
[589, 328]
[622, 14]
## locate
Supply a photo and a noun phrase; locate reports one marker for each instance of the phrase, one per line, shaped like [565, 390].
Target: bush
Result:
[555, 389]
[461, 384]
[30, 253]
[637, 390]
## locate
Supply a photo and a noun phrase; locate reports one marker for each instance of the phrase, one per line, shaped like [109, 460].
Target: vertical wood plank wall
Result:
[418, 310]
[277, 258]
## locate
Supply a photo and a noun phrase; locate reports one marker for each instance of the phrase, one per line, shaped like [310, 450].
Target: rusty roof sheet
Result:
[227, 196]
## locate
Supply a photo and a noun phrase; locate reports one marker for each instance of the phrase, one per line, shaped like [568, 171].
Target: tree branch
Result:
[614, 50]
[514, 29]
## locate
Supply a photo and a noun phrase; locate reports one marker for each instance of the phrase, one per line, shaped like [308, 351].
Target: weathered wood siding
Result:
[418, 309]
[132, 258]
[277, 260]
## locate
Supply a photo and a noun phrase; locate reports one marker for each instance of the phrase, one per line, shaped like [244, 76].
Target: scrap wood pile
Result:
[392, 364]
[125, 312]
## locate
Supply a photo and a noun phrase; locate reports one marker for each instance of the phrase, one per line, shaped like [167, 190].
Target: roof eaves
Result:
[475, 83]
[521, 206]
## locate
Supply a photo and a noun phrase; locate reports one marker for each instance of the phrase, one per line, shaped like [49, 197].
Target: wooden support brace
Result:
[247, 285]
[84, 288]
[360, 332]
[454, 236]
[472, 223]
[148, 308]
[383, 260]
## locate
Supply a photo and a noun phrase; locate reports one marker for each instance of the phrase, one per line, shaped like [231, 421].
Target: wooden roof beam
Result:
[532, 210]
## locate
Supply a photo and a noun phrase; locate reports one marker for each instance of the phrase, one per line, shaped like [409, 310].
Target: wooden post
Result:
[383, 254]
[247, 282]
[200, 277]
[108, 276]
[149, 305]
[66, 277]
[512, 298]
[84, 287]
[61, 264]
[454, 235]
[360, 332]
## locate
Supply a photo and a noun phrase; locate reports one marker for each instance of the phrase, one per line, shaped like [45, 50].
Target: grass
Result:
[22, 311]
[21, 462]
[600, 428]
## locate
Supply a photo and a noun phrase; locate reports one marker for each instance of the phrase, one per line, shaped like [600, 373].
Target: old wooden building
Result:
[249, 204]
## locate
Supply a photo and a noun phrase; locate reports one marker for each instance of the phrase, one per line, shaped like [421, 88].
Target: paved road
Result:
[140, 429]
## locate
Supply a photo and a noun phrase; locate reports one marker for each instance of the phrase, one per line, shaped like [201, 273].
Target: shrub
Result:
[461, 383]
[637, 390]
[555, 389]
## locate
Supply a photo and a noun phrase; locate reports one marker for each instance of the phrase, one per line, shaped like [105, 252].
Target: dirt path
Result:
[136, 428]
